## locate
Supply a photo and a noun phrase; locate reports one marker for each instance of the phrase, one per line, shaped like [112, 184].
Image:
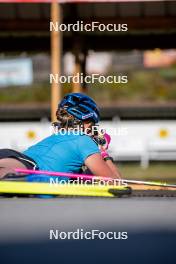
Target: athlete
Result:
[75, 143]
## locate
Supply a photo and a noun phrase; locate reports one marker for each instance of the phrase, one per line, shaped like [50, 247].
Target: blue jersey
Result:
[62, 153]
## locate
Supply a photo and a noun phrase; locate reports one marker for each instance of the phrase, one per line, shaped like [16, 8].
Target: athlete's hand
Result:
[103, 148]
[107, 138]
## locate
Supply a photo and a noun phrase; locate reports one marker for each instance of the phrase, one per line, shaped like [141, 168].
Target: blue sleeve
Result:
[87, 147]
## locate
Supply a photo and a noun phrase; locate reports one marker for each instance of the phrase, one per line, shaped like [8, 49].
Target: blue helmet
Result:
[80, 106]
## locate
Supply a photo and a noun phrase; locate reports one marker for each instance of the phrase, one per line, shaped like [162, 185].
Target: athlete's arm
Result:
[114, 169]
[99, 167]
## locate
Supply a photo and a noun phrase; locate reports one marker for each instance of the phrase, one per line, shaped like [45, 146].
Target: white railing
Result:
[131, 140]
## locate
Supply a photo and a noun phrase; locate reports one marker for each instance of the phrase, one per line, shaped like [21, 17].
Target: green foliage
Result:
[157, 85]
[38, 93]
[159, 171]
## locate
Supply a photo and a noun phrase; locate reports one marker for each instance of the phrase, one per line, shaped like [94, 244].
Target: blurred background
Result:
[142, 111]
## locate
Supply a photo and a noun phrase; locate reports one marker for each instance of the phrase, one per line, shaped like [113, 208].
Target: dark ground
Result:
[150, 223]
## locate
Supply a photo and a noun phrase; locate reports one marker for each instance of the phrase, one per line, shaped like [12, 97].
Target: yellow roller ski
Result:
[28, 188]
